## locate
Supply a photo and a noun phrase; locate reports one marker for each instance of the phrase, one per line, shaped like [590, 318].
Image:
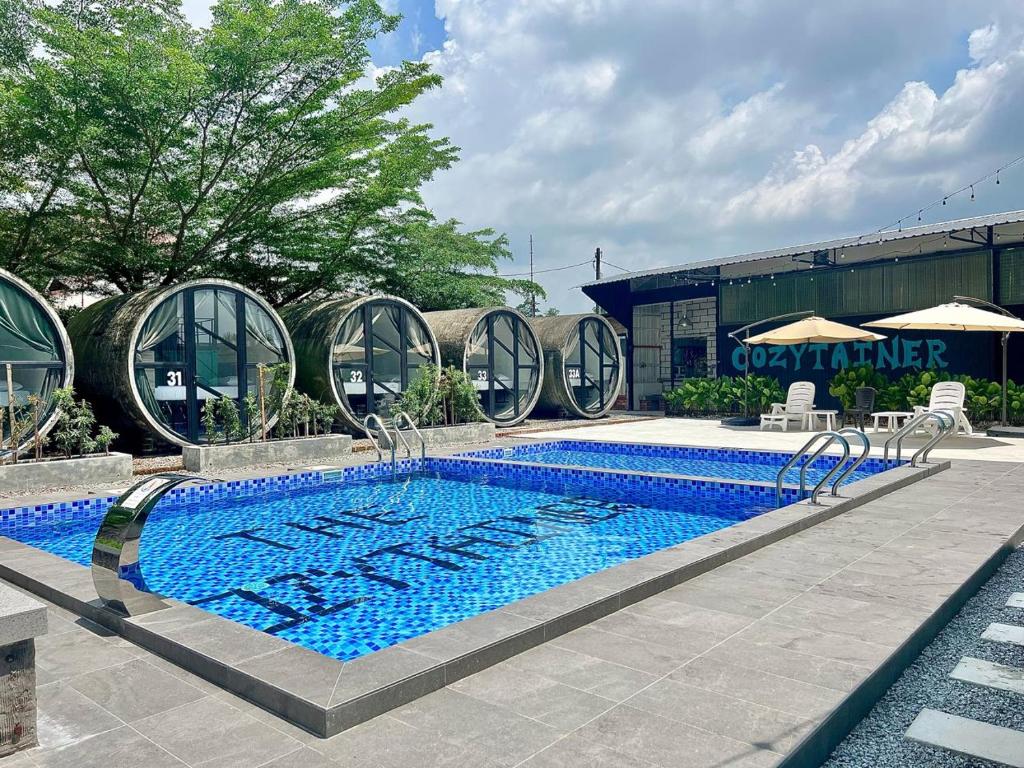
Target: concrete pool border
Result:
[326, 696]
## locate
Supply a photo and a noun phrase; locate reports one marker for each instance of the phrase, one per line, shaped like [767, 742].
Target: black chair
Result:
[864, 407]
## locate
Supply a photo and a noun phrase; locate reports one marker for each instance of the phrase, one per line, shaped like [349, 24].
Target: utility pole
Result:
[597, 263]
[533, 294]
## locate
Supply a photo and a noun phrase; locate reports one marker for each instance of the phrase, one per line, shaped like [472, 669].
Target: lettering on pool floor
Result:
[315, 593]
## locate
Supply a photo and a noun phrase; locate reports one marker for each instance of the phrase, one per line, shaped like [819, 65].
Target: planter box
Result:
[460, 434]
[98, 469]
[306, 450]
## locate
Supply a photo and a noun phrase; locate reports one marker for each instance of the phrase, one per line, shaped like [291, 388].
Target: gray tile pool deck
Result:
[733, 667]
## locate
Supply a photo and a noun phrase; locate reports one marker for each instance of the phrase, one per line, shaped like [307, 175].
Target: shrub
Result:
[723, 395]
[845, 383]
[453, 400]
[73, 431]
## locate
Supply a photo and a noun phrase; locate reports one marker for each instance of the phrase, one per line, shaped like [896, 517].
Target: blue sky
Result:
[669, 131]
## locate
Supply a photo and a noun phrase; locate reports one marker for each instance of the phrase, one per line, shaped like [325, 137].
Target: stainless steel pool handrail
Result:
[949, 426]
[909, 428]
[381, 430]
[412, 425]
[116, 570]
[833, 437]
[857, 462]
[796, 457]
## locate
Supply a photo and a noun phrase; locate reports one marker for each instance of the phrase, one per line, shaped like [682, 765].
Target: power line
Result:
[552, 269]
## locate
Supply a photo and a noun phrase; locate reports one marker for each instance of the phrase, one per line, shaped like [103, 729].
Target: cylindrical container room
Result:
[500, 352]
[582, 365]
[35, 346]
[152, 359]
[359, 353]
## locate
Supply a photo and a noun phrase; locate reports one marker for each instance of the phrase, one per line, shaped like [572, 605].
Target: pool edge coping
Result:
[406, 671]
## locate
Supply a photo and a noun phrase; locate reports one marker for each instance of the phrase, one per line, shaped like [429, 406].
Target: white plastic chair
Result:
[948, 396]
[799, 400]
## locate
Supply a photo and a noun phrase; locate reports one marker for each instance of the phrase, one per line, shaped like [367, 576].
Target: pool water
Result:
[351, 566]
[734, 464]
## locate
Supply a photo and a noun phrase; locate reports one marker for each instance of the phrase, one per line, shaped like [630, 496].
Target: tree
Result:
[435, 266]
[139, 151]
[527, 308]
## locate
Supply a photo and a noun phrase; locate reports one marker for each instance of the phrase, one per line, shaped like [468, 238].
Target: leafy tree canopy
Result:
[140, 151]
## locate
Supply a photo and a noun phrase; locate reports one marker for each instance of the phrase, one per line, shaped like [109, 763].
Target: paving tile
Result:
[62, 656]
[652, 658]
[65, 716]
[1004, 633]
[678, 614]
[968, 737]
[370, 672]
[688, 639]
[120, 748]
[753, 601]
[876, 623]
[228, 737]
[582, 671]
[989, 674]
[225, 640]
[724, 715]
[297, 670]
[388, 743]
[662, 742]
[826, 673]
[574, 751]
[1016, 600]
[536, 697]
[304, 757]
[823, 644]
[135, 690]
[506, 737]
[786, 694]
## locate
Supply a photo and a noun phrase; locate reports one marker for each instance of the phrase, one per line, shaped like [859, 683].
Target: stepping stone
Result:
[989, 674]
[1004, 633]
[968, 737]
[1016, 600]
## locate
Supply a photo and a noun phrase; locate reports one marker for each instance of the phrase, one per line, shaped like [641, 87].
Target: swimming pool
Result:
[350, 563]
[731, 463]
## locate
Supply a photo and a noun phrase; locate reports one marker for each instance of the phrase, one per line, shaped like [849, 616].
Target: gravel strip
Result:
[877, 742]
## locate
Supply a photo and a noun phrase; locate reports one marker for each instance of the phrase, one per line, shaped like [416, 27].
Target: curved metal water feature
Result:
[116, 570]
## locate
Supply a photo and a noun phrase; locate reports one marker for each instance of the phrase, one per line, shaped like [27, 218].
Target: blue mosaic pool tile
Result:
[737, 464]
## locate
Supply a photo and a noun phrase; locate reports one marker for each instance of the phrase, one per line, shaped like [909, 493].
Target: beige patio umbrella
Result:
[814, 330]
[958, 316]
[810, 329]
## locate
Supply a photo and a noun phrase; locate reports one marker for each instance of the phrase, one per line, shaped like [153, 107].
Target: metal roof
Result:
[957, 225]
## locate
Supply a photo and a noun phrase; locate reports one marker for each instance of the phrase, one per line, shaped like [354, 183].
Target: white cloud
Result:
[707, 128]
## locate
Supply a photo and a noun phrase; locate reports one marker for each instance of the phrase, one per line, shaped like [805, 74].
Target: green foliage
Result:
[104, 438]
[723, 395]
[73, 433]
[209, 418]
[139, 150]
[227, 410]
[441, 397]
[251, 409]
[845, 383]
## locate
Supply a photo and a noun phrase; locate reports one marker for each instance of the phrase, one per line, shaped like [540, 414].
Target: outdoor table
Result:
[811, 418]
[892, 419]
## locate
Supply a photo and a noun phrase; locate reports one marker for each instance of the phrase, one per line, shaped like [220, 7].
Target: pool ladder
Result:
[382, 430]
[946, 425]
[393, 439]
[830, 437]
